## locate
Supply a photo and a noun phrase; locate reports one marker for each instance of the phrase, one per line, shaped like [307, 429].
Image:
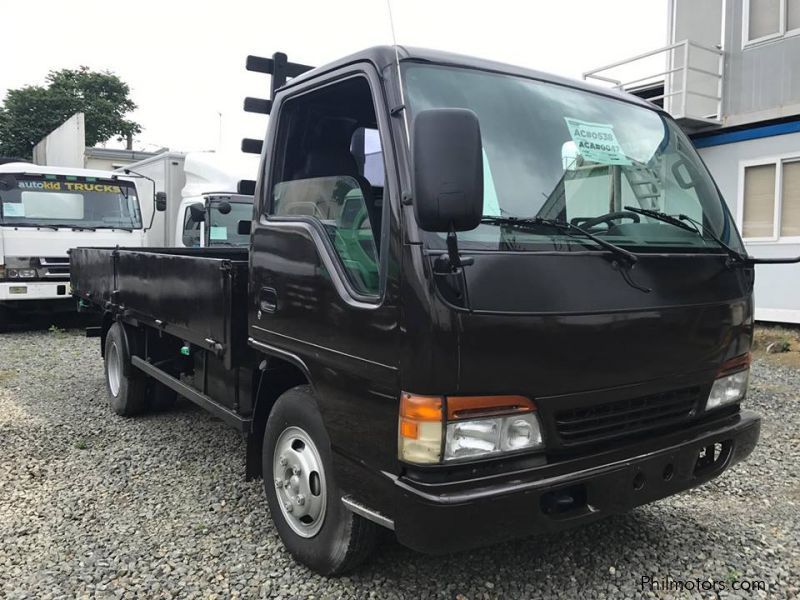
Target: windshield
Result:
[65, 201]
[223, 230]
[554, 152]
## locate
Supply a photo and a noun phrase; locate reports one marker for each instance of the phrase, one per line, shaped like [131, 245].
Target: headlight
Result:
[483, 437]
[474, 427]
[730, 387]
[728, 390]
[26, 273]
[521, 432]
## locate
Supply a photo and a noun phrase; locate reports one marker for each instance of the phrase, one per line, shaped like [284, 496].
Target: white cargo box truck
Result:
[203, 206]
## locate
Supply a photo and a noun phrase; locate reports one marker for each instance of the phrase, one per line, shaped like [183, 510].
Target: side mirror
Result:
[246, 187]
[243, 227]
[7, 182]
[224, 207]
[161, 201]
[198, 212]
[448, 169]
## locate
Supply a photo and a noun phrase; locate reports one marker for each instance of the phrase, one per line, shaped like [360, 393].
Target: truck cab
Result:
[206, 181]
[45, 211]
[212, 219]
[479, 302]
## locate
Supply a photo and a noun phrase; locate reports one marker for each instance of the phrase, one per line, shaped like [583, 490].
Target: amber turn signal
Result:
[471, 407]
[421, 408]
[420, 428]
[738, 363]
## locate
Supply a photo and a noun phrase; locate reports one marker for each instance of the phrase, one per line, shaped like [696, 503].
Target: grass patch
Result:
[785, 338]
[733, 576]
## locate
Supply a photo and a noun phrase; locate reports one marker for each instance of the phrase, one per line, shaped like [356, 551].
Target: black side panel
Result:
[199, 296]
[91, 272]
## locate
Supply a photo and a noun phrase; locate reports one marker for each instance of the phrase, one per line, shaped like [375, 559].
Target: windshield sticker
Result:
[491, 206]
[596, 142]
[13, 209]
[218, 233]
[69, 186]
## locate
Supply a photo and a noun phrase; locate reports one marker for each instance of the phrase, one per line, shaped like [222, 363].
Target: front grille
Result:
[601, 422]
[55, 267]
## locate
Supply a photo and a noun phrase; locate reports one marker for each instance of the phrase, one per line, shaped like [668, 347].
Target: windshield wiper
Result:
[654, 214]
[121, 227]
[527, 222]
[82, 228]
[683, 221]
[699, 227]
[37, 225]
[624, 266]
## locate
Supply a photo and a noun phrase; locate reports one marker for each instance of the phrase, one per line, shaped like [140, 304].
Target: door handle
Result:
[268, 300]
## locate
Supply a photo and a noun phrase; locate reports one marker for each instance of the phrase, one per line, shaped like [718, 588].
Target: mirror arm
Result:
[452, 262]
[772, 261]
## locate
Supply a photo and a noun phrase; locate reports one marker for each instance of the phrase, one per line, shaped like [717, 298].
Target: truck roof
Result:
[383, 56]
[213, 172]
[25, 167]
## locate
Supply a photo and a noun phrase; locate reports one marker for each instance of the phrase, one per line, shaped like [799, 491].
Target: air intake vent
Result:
[600, 422]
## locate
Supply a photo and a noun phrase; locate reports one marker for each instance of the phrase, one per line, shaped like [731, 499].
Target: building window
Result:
[759, 201]
[770, 19]
[790, 200]
[770, 202]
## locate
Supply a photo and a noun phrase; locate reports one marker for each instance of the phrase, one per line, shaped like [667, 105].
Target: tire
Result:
[126, 394]
[320, 532]
[5, 319]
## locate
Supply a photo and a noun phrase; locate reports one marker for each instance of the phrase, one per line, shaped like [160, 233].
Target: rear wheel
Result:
[303, 497]
[126, 393]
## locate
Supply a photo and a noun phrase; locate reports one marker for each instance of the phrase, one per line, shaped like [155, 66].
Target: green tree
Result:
[31, 112]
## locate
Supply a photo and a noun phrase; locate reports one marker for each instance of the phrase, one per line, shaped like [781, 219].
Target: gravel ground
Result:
[95, 505]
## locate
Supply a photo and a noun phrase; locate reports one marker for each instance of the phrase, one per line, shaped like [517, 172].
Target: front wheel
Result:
[126, 393]
[304, 500]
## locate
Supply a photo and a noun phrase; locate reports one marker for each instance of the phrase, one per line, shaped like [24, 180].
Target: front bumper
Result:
[445, 517]
[26, 289]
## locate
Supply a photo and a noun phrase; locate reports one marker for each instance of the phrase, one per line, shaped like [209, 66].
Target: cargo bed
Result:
[195, 294]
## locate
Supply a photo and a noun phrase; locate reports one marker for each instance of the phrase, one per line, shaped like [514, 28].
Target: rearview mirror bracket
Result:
[450, 263]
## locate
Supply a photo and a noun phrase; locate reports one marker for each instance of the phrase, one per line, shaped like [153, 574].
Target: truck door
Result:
[324, 275]
[191, 230]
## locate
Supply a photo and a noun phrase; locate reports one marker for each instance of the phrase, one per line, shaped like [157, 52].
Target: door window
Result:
[333, 172]
[191, 230]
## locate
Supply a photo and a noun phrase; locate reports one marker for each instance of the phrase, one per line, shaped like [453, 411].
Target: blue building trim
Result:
[741, 135]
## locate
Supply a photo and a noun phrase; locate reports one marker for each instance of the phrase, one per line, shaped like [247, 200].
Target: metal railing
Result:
[690, 91]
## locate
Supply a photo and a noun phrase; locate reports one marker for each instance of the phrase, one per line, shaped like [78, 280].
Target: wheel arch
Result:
[105, 324]
[278, 374]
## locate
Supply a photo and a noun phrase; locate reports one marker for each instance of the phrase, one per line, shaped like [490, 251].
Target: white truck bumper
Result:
[34, 290]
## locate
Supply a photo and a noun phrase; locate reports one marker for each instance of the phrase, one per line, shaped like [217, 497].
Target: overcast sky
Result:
[185, 60]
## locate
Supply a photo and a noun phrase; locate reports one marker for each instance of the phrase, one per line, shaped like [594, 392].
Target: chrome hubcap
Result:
[114, 369]
[299, 481]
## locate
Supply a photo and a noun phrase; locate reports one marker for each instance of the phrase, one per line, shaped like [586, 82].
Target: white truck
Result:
[45, 211]
[203, 206]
